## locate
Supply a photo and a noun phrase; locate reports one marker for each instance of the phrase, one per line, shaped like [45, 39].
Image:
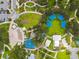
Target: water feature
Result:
[53, 17]
[60, 17]
[63, 24]
[29, 44]
[49, 23]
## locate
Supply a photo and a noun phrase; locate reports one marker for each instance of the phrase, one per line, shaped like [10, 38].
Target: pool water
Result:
[49, 23]
[63, 24]
[29, 44]
[53, 17]
[60, 17]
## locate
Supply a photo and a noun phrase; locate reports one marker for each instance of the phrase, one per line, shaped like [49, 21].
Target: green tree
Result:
[42, 2]
[74, 4]
[4, 38]
[18, 52]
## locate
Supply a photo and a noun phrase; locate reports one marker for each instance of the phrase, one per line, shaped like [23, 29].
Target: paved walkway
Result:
[30, 12]
[2, 56]
[67, 3]
[5, 22]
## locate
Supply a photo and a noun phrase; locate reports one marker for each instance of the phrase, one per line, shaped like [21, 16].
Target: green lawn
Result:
[0, 55]
[38, 55]
[51, 3]
[56, 28]
[51, 45]
[30, 4]
[20, 10]
[63, 55]
[4, 38]
[28, 20]
[30, 9]
[5, 54]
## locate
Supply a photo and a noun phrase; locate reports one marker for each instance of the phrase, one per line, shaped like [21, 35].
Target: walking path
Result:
[56, 5]
[4, 22]
[25, 4]
[67, 3]
[49, 55]
[30, 12]
[2, 56]
[74, 17]
[33, 5]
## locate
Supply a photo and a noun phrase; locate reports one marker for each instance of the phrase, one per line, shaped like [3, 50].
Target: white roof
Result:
[56, 37]
[4, 6]
[47, 43]
[56, 43]
[32, 56]
[64, 42]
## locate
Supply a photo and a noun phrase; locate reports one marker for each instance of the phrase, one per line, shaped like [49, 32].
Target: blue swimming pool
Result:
[49, 23]
[53, 17]
[63, 24]
[29, 44]
[60, 17]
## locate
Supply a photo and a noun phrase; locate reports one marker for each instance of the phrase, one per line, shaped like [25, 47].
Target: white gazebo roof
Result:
[47, 43]
[56, 37]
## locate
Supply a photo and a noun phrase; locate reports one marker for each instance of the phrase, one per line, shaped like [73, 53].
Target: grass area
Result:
[4, 38]
[71, 14]
[73, 44]
[0, 55]
[30, 9]
[37, 42]
[45, 54]
[6, 53]
[51, 45]
[28, 20]
[21, 1]
[56, 28]
[41, 9]
[38, 54]
[20, 9]
[51, 3]
[63, 55]
[68, 39]
[30, 4]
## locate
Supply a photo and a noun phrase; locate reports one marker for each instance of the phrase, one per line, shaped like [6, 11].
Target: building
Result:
[4, 5]
[16, 35]
[14, 4]
[47, 43]
[32, 56]
[56, 39]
